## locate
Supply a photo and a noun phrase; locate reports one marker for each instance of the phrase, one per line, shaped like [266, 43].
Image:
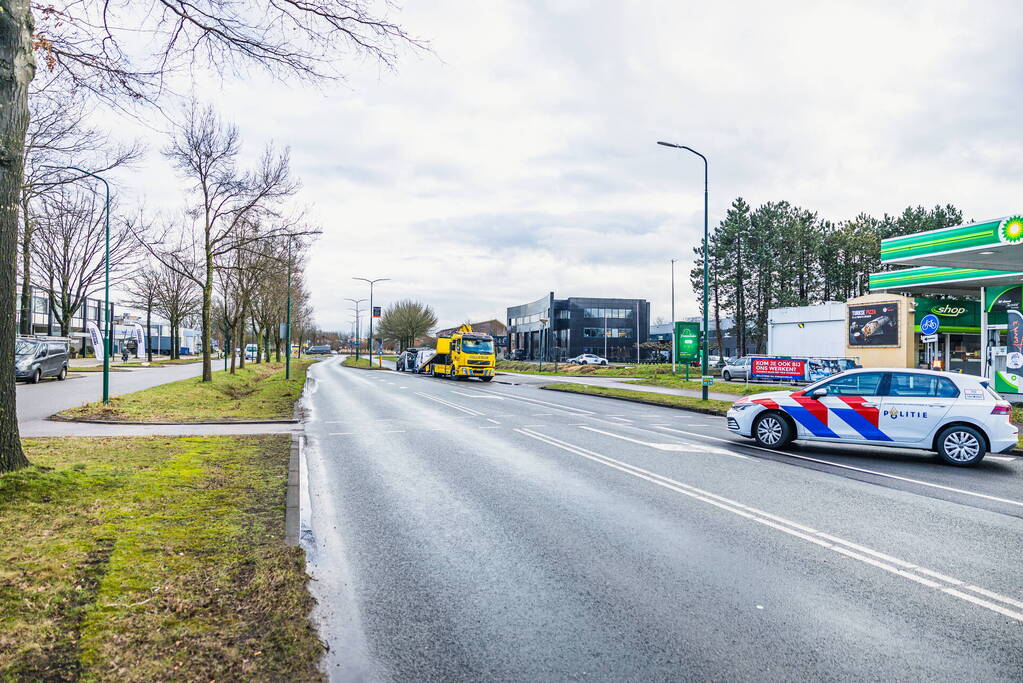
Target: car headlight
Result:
[24, 364]
[742, 406]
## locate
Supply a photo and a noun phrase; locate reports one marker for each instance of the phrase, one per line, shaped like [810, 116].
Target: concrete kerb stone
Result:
[292, 514]
[60, 417]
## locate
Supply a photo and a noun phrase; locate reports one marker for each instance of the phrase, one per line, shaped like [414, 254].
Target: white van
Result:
[250, 352]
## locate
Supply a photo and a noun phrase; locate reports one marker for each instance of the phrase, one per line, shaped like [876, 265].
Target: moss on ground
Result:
[670, 400]
[255, 392]
[139, 559]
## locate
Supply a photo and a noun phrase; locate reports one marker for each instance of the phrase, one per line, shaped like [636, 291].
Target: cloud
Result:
[521, 158]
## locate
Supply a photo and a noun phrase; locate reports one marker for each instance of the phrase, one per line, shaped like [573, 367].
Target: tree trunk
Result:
[149, 332]
[26, 265]
[17, 67]
[207, 318]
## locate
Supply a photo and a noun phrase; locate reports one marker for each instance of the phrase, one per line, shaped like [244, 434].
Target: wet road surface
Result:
[470, 531]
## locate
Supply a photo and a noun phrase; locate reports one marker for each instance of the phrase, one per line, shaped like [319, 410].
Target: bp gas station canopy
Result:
[963, 260]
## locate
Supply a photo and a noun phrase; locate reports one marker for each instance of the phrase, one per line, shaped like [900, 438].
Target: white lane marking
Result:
[403, 387]
[847, 548]
[489, 427]
[1003, 458]
[462, 393]
[856, 469]
[685, 447]
[390, 431]
[542, 414]
[340, 433]
[537, 401]
[449, 404]
[622, 419]
[490, 419]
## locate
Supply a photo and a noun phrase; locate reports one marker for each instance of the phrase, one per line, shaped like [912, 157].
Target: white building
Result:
[818, 331]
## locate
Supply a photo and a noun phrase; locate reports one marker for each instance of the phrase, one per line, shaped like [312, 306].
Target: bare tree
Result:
[144, 287]
[57, 137]
[84, 42]
[70, 249]
[177, 298]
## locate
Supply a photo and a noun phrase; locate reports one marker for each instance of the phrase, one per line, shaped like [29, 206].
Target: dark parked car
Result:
[517, 354]
[38, 358]
[321, 350]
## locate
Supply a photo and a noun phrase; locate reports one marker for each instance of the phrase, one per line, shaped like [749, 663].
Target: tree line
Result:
[780, 255]
[122, 54]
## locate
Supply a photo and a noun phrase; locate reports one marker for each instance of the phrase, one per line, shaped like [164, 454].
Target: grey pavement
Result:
[38, 401]
[471, 531]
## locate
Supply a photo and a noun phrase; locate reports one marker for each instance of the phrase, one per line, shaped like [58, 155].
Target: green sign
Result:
[956, 315]
[687, 341]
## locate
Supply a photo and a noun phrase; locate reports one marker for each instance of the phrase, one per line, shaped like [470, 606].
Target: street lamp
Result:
[706, 267]
[108, 336]
[358, 316]
[371, 283]
[287, 343]
[673, 342]
[545, 342]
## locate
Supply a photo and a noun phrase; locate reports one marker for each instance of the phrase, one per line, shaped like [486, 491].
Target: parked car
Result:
[736, 369]
[587, 359]
[961, 417]
[250, 352]
[406, 360]
[36, 358]
[517, 354]
[318, 350]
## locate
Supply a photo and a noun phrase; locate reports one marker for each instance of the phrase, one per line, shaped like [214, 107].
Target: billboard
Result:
[687, 341]
[777, 368]
[376, 311]
[875, 324]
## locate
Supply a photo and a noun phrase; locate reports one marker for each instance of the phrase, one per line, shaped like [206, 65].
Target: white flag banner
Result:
[140, 341]
[97, 339]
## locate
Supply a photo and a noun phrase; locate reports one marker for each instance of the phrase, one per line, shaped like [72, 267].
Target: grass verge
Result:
[710, 406]
[255, 392]
[737, 388]
[363, 363]
[613, 370]
[157, 558]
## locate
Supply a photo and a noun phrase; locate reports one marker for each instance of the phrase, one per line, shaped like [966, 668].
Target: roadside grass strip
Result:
[710, 406]
[737, 388]
[255, 392]
[1004, 605]
[363, 363]
[144, 559]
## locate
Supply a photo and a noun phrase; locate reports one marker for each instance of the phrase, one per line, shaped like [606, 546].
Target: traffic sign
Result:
[376, 311]
[928, 338]
[930, 324]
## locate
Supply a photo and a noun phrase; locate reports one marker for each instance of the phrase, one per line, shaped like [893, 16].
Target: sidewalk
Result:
[609, 382]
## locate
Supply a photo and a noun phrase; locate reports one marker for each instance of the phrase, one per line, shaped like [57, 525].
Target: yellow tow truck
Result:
[462, 355]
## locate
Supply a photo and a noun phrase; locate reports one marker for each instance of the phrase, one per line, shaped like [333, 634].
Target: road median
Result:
[710, 407]
[257, 393]
[361, 364]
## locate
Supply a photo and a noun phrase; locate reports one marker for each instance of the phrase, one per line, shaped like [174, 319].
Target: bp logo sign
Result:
[1010, 231]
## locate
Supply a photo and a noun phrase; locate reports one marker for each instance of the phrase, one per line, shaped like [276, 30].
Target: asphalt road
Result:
[37, 401]
[470, 531]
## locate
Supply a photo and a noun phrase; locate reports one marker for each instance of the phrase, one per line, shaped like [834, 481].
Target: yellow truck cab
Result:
[465, 354]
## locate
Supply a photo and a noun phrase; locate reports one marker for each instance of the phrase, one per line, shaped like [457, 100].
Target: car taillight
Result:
[1001, 409]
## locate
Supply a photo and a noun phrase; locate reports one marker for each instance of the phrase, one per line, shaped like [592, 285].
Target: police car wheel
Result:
[961, 446]
[771, 430]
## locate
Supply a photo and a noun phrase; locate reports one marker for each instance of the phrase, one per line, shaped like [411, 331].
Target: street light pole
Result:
[287, 343]
[358, 316]
[371, 283]
[637, 332]
[109, 331]
[706, 265]
[673, 341]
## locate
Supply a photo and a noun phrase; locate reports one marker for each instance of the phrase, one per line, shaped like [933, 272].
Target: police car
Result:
[959, 416]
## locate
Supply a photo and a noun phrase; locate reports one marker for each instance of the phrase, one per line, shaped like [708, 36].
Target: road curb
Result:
[58, 417]
[705, 411]
[291, 511]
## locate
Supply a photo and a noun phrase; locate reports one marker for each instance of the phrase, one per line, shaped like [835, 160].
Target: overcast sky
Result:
[520, 157]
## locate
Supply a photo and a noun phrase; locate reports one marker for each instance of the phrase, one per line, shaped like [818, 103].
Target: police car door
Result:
[915, 404]
[853, 406]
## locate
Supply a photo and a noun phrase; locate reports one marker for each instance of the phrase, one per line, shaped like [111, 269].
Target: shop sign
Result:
[954, 315]
[687, 341]
[875, 324]
[1003, 298]
[1012, 380]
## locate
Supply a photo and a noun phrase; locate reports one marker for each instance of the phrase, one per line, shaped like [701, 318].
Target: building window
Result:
[39, 304]
[620, 313]
[565, 314]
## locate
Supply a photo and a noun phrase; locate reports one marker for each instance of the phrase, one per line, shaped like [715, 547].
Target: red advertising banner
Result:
[779, 367]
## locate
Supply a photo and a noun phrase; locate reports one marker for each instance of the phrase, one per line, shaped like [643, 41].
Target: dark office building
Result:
[606, 327]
